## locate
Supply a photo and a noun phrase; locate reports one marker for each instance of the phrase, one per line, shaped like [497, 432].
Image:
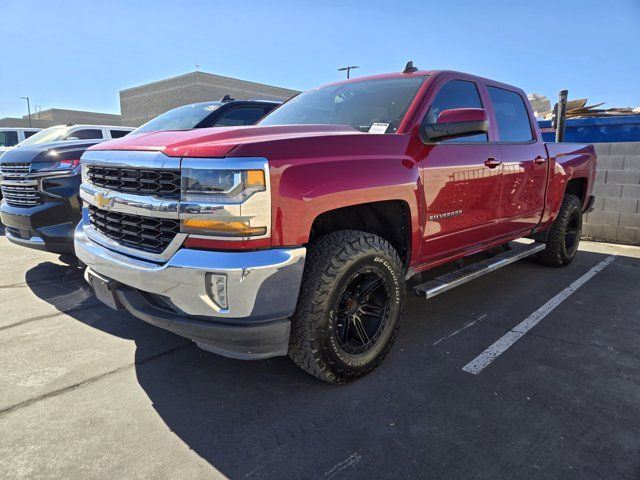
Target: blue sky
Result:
[78, 55]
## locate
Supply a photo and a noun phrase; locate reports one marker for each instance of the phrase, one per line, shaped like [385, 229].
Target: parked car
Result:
[224, 113]
[297, 236]
[71, 132]
[40, 182]
[10, 137]
[43, 214]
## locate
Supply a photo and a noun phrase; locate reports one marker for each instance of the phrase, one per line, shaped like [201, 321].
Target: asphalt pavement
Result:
[87, 392]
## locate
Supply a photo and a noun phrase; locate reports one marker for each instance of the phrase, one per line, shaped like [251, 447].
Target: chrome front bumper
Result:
[262, 285]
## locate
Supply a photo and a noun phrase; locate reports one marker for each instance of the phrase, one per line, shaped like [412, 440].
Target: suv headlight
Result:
[225, 202]
[61, 161]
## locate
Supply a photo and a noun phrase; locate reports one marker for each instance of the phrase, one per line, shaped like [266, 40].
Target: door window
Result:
[239, 117]
[118, 133]
[456, 94]
[511, 115]
[86, 134]
[8, 138]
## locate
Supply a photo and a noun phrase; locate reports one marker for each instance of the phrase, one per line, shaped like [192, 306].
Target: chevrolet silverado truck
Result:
[297, 236]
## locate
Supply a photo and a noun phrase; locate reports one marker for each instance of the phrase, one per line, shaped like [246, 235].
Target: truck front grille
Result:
[22, 196]
[143, 233]
[12, 168]
[165, 183]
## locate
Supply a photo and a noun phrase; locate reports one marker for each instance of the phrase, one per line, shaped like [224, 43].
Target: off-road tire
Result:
[557, 253]
[331, 260]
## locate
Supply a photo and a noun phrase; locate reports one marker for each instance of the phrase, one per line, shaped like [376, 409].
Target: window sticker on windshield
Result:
[379, 128]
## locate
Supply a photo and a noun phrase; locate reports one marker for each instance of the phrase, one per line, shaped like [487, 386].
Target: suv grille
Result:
[9, 168]
[159, 182]
[22, 196]
[144, 233]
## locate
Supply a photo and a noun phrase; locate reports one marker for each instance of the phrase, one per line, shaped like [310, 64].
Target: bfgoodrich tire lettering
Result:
[346, 273]
[564, 236]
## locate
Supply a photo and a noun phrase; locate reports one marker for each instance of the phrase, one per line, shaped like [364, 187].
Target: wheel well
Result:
[577, 187]
[390, 220]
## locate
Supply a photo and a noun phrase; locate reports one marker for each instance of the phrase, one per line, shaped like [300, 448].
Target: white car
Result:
[11, 136]
[62, 133]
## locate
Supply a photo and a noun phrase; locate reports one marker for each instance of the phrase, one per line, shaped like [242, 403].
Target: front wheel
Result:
[349, 308]
[564, 236]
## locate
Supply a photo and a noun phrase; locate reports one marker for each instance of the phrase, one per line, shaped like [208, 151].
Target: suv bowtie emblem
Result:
[102, 202]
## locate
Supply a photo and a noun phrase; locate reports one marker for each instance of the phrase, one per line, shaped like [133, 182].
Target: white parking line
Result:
[513, 335]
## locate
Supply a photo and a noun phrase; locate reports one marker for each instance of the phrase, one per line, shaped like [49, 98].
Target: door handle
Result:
[540, 160]
[492, 162]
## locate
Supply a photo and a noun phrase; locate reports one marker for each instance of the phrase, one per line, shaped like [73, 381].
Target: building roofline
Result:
[209, 75]
[54, 109]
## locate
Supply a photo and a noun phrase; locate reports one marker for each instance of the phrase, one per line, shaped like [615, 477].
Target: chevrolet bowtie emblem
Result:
[102, 202]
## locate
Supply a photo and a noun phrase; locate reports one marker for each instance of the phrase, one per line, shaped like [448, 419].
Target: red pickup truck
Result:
[296, 236]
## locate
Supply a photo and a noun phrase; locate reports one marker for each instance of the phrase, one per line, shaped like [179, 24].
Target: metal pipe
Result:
[561, 115]
[28, 108]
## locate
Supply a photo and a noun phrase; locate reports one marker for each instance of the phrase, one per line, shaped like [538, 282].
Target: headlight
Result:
[225, 202]
[61, 161]
[221, 186]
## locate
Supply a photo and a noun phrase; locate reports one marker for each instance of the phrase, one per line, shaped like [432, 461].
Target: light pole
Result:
[28, 108]
[348, 69]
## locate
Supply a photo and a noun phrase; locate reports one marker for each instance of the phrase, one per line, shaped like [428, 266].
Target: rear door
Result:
[524, 162]
[462, 191]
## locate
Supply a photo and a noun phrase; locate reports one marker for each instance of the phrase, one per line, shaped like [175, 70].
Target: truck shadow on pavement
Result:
[418, 414]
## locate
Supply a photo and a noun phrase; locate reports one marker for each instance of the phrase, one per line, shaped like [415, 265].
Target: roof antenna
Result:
[227, 98]
[409, 68]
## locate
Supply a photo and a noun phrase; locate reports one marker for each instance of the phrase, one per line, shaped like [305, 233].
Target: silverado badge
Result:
[440, 216]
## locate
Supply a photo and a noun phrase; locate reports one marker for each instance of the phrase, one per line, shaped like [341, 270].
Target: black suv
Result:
[41, 183]
[224, 113]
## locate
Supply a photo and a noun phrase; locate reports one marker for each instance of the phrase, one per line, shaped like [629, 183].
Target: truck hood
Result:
[217, 141]
[46, 152]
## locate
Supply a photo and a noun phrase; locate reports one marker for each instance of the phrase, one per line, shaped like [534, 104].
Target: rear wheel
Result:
[564, 236]
[349, 308]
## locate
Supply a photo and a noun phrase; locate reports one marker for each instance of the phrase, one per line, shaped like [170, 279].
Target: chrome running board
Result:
[465, 274]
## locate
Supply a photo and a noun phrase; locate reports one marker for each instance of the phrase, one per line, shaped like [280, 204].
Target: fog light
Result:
[217, 289]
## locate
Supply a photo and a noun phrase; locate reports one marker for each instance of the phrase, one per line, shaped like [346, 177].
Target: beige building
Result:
[142, 103]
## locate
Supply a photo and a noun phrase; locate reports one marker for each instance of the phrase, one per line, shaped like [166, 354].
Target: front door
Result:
[461, 179]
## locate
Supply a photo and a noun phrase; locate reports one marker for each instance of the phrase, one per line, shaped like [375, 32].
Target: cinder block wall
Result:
[616, 217]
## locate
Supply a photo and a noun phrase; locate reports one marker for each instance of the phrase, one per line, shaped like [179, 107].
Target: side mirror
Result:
[456, 122]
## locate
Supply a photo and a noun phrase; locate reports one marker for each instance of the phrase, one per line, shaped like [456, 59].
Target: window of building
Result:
[511, 116]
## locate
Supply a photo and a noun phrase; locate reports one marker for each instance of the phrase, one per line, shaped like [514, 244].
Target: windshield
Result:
[181, 118]
[52, 134]
[376, 106]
